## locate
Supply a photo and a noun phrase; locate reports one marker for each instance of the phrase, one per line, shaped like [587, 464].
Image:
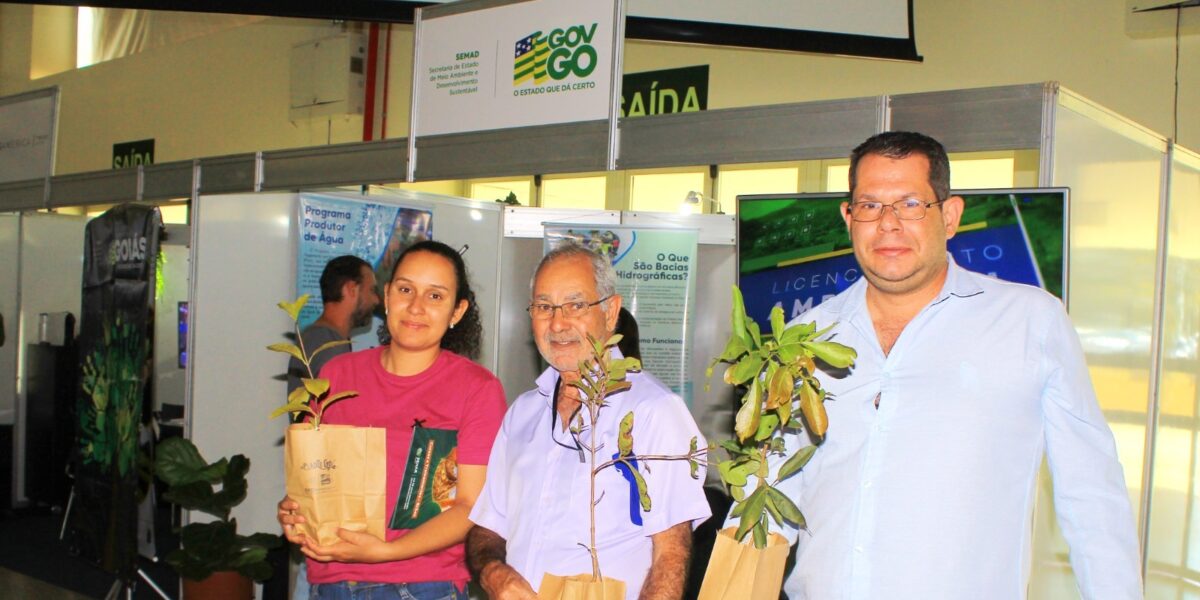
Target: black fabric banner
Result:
[119, 274]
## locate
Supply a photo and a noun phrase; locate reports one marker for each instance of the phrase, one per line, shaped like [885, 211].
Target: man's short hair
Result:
[339, 271]
[901, 144]
[602, 269]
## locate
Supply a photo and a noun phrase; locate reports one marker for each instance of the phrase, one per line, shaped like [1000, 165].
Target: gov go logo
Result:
[556, 56]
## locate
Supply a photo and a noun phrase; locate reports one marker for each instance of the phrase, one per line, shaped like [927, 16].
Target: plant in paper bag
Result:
[600, 377]
[782, 397]
[309, 398]
[331, 470]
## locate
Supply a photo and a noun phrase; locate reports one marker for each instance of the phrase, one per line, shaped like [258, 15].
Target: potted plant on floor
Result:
[782, 397]
[214, 560]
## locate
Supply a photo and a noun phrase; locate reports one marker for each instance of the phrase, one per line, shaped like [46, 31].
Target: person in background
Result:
[423, 375]
[925, 484]
[348, 297]
[532, 516]
[630, 344]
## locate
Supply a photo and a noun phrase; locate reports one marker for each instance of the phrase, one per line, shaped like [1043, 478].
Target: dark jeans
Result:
[346, 590]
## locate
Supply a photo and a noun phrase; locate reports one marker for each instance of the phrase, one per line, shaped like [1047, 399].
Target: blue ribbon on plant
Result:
[635, 505]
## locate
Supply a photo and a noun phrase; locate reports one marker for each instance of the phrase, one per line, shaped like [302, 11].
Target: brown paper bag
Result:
[580, 587]
[338, 476]
[742, 572]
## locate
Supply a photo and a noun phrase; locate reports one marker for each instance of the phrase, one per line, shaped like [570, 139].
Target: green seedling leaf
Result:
[729, 476]
[693, 465]
[790, 353]
[773, 510]
[796, 462]
[733, 349]
[292, 407]
[779, 387]
[288, 348]
[643, 494]
[334, 398]
[835, 354]
[813, 409]
[777, 325]
[625, 436]
[317, 387]
[755, 335]
[744, 370]
[293, 308]
[745, 423]
[737, 317]
[787, 509]
[797, 333]
[767, 424]
[760, 535]
[614, 340]
[752, 514]
[738, 492]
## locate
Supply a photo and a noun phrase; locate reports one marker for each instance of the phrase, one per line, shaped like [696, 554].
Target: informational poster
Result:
[119, 267]
[794, 251]
[656, 279]
[513, 65]
[27, 125]
[332, 226]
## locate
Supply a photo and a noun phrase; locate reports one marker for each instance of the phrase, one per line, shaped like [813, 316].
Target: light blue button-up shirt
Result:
[536, 493]
[931, 494]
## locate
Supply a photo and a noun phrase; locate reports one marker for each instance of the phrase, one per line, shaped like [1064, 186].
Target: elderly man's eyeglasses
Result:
[570, 310]
[905, 210]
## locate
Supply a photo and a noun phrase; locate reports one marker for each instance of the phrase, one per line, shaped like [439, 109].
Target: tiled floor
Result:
[19, 587]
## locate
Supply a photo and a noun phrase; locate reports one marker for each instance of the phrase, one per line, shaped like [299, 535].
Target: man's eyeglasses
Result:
[905, 210]
[570, 310]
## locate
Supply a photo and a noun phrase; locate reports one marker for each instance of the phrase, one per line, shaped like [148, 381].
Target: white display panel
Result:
[51, 281]
[9, 231]
[244, 264]
[27, 123]
[536, 62]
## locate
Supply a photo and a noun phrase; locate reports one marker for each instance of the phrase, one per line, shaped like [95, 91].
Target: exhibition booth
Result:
[1130, 273]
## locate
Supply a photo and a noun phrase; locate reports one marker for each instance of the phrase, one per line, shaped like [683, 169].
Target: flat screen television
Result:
[183, 333]
[793, 250]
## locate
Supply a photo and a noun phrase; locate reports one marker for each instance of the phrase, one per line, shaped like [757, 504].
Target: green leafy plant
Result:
[601, 376]
[782, 395]
[312, 397]
[214, 546]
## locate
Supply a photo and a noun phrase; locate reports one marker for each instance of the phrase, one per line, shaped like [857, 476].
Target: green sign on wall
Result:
[664, 92]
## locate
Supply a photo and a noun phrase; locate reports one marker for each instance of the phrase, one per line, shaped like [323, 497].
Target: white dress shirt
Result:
[931, 494]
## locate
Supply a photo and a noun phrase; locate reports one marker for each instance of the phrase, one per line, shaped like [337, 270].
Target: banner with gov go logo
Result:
[531, 62]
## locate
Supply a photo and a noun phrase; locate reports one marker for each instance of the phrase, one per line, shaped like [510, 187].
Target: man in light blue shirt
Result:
[924, 486]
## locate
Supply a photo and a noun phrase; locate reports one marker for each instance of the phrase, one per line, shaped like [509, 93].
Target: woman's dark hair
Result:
[466, 338]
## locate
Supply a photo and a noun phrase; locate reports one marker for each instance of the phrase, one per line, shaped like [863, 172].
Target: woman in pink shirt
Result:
[422, 377]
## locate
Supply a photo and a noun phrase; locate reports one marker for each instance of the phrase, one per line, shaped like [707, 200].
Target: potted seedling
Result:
[332, 471]
[213, 559]
[782, 397]
[600, 377]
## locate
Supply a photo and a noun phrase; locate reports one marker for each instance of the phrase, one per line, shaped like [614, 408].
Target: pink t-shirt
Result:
[453, 393]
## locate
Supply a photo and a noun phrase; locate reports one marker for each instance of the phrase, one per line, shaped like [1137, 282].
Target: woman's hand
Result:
[355, 547]
[288, 519]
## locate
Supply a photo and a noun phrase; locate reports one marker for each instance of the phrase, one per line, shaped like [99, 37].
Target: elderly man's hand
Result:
[502, 582]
